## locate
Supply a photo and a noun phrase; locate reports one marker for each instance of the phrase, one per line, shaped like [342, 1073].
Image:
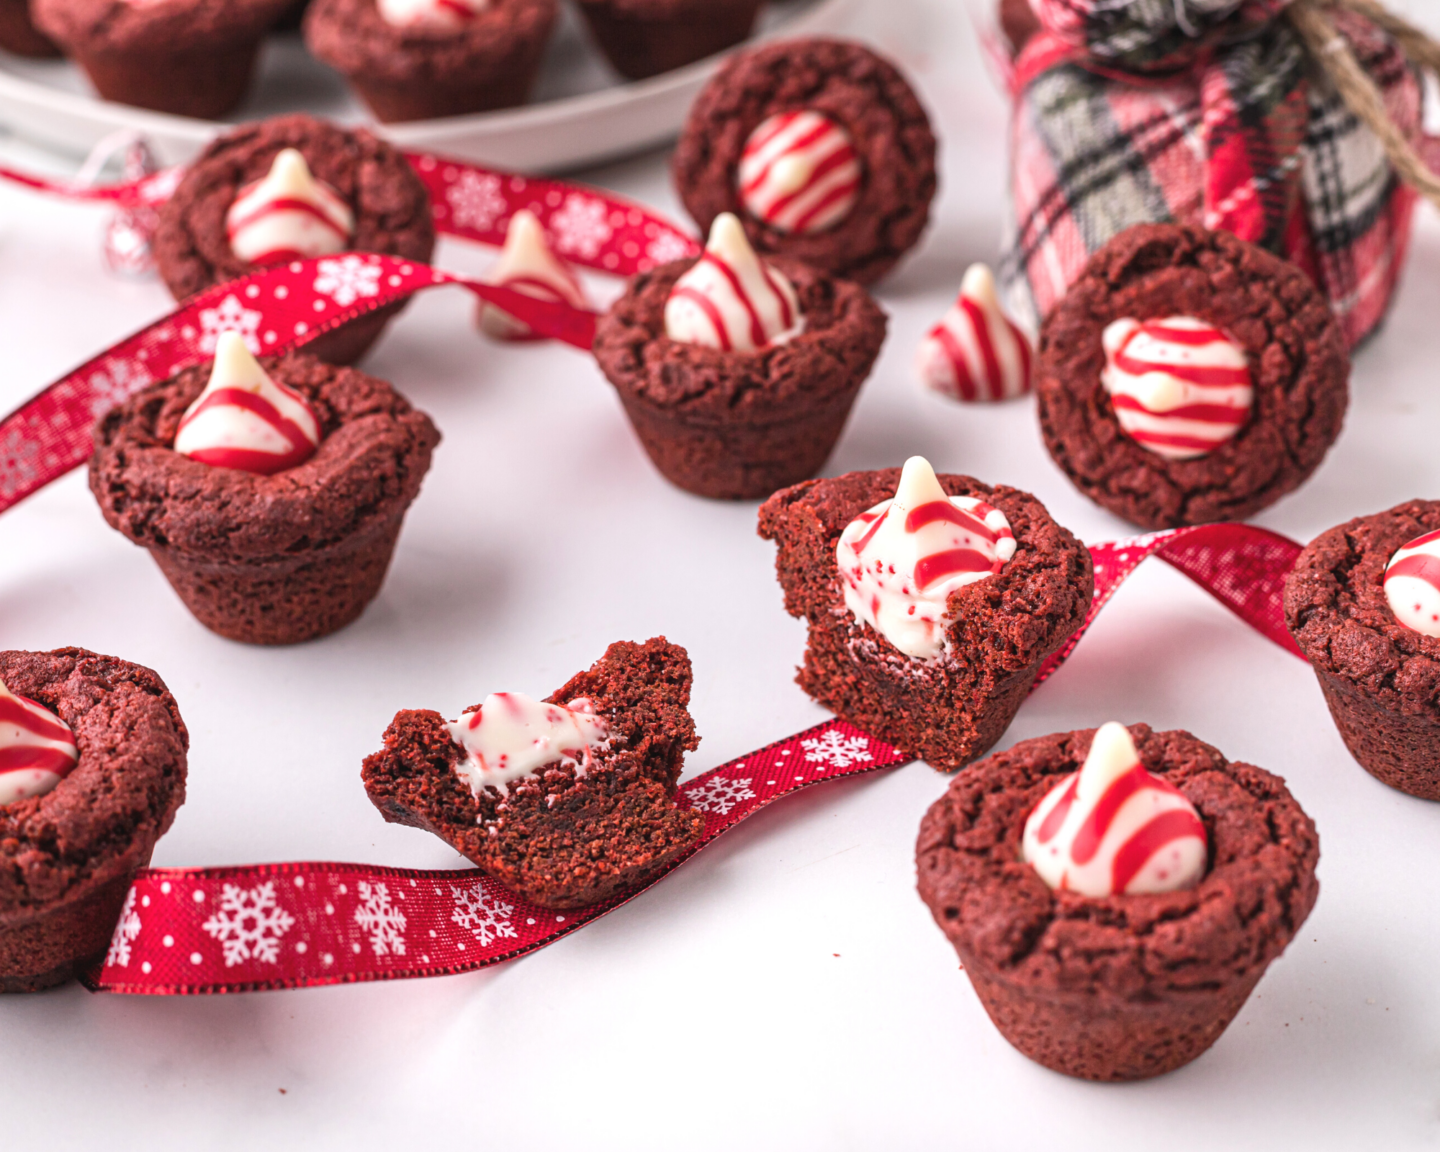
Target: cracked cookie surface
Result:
[1297, 358]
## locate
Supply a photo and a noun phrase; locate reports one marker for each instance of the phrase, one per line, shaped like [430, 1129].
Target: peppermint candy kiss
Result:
[433, 15]
[37, 748]
[976, 352]
[800, 173]
[900, 561]
[527, 265]
[244, 419]
[1412, 584]
[511, 735]
[731, 299]
[289, 215]
[1180, 386]
[1114, 828]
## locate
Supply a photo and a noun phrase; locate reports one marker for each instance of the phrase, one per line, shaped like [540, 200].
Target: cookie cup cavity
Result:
[191, 59]
[1120, 987]
[951, 709]
[67, 858]
[413, 74]
[739, 425]
[389, 202]
[268, 559]
[643, 38]
[1380, 678]
[1298, 364]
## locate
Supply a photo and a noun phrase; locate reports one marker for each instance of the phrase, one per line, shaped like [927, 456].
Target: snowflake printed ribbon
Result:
[206, 930]
[184, 931]
[286, 306]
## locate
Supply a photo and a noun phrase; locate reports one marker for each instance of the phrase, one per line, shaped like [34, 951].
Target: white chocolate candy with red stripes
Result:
[527, 265]
[800, 173]
[431, 15]
[1112, 827]
[512, 735]
[900, 561]
[37, 748]
[976, 352]
[731, 299]
[1180, 387]
[246, 420]
[288, 215]
[1412, 584]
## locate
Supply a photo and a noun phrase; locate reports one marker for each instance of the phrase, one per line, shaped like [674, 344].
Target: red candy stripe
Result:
[1164, 829]
[246, 927]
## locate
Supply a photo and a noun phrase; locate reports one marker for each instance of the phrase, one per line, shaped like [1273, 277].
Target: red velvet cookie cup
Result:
[561, 837]
[185, 57]
[67, 858]
[643, 38]
[1380, 678]
[1298, 364]
[268, 559]
[1121, 987]
[18, 33]
[739, 425]
[861, 92]
[416, 74]
[1001, 629]
[389, 201]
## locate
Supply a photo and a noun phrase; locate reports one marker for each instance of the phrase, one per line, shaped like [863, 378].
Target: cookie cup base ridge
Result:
[640, 48]
[286, 600]
[57, 944]
[1399, 750]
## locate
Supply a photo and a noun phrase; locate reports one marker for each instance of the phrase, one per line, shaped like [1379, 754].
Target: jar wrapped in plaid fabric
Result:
[1206, 112]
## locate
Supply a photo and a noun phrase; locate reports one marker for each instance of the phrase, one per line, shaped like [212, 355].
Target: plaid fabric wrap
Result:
[1117, 122]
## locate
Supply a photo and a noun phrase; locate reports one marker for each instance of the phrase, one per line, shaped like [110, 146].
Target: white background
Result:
[786, 988]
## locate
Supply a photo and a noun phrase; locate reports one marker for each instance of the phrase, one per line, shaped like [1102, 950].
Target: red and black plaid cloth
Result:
[1207, 112]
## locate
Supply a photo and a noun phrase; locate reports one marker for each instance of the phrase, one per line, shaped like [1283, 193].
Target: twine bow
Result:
[1332, 53]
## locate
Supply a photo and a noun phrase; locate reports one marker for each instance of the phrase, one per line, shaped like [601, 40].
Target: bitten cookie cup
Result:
[565, 835]
[860, 93]
[1298, 367]
[643, 38]
[1129, 986]
[1000, 629]
[418, 73]
[67, 857]
[18, 33]
[268, 559]
[190, 59]
[739, 425]
[1380, 678]
[389, 202]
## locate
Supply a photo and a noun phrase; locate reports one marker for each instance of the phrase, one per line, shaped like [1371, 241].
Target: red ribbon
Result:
[206, 930]
[289, 305]
[211, 930]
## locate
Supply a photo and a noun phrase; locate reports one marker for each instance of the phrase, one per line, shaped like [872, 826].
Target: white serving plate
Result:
[581, 114]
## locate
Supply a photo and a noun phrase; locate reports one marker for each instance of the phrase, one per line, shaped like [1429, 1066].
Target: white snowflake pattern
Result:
[833, 748]
[581, 227]
[483, 916]
[476, 201]
[249, 923]
[114, 383]
[719, 795]
[126, 929]
[230, 316]
[347, 279]
[19, 461]
[669, 246]
[385, 922]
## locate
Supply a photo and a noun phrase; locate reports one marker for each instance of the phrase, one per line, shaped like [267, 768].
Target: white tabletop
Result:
[786, 988]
